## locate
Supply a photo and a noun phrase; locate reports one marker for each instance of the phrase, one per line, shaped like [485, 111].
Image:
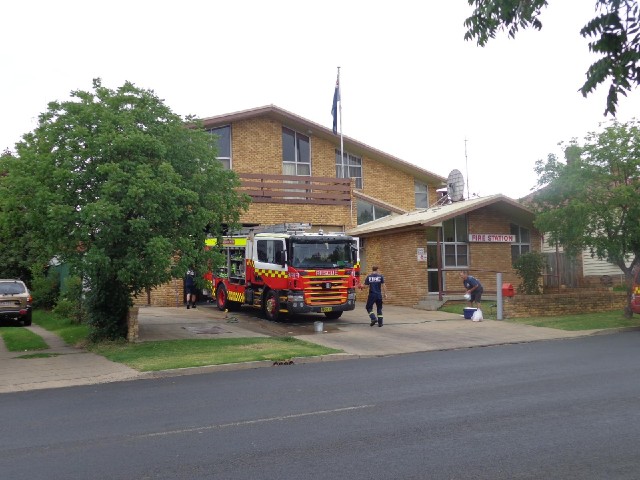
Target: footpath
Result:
[406, 330]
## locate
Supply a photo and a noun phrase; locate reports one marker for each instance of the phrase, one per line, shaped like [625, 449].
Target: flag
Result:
[334, 108]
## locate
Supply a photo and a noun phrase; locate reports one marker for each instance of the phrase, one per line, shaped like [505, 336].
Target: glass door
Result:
[434, 280]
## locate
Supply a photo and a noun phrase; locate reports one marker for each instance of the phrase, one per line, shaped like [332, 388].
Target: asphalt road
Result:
[566, 409]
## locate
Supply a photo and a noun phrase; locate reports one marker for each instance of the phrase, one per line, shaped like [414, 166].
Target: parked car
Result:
[15, 301]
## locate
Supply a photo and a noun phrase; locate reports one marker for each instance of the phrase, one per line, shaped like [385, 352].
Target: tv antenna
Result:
[455, 186]
[454, 189]
[466, 162]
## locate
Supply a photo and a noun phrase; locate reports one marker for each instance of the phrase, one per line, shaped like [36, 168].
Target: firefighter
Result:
[377, 291]
[190, 288]
[474, 288]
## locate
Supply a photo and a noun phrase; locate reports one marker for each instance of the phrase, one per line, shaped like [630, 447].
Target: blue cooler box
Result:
[468, 312]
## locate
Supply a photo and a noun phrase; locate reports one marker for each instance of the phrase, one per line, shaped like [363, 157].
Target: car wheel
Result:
[26, 321]
[271, 306]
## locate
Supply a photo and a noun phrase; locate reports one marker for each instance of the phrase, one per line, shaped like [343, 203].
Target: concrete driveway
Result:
[406, 330]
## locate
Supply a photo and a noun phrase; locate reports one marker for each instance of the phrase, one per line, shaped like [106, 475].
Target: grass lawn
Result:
[584, 321]
[169, 354]
[72, 333]
[18, 339]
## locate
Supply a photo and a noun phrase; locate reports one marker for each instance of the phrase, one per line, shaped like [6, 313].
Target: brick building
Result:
[422, 252]
[294, 171]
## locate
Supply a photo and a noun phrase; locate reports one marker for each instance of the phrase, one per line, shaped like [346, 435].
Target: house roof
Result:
[436, 214]
[311, 128]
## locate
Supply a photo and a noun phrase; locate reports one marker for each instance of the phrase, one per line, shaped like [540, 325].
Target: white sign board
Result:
[491, 237]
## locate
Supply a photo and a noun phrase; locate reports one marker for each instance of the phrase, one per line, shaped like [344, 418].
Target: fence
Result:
[296, 189]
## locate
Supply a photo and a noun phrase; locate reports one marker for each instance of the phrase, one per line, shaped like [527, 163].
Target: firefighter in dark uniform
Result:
[377, 291]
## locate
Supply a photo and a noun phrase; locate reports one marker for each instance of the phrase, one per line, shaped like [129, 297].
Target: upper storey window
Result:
[422, 195]
[296, 153]
[222, 137]
[349, 166]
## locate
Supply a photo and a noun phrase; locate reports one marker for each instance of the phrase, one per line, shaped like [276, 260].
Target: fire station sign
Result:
[491, 237]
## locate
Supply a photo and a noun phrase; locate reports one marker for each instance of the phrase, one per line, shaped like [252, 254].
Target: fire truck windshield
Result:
[334, 253]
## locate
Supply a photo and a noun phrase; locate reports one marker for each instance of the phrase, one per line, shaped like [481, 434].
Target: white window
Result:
[222, 137]
[522, 244]
[349, 166]
[455, 237]
[422, 195]
[368, 212]
[296, 153]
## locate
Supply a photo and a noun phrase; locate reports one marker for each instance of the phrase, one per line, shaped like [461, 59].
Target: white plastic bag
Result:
[477, 315]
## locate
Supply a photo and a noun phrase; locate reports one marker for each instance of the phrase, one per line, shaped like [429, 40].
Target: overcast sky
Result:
[411, 86]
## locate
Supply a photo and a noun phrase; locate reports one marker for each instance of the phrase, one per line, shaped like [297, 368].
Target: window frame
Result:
[296, 163]
[270, 248]
[348, 164]
[376, 211]
[457, 244]
[519, 244]
[416, 186]
[226, 161]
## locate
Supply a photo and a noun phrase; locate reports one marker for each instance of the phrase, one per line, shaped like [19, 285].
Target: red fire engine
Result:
[635, 293]
[291, 272]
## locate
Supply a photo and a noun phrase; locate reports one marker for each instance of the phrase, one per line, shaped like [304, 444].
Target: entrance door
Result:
[432, 269]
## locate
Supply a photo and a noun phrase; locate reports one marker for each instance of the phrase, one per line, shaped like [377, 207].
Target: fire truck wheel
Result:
[222, 300]
[333, 315]
[271, 306]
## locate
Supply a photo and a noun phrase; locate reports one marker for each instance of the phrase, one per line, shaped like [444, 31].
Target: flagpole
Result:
[336, 112]
[342, 144]
[340, 120]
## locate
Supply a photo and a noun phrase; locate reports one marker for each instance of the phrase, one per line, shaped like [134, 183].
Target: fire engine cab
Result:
[291, 272]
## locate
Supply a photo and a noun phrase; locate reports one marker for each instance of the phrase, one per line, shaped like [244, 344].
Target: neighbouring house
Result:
[583, 270]
[294, 171]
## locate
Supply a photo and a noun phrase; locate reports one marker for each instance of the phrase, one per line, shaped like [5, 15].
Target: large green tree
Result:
[614, 35]
[592, 200]
[122, 189]
[14, 247]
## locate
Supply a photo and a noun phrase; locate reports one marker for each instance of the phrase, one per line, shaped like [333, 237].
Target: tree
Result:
[614, 34]
[14, 247]
[122, 189]
[593, 200]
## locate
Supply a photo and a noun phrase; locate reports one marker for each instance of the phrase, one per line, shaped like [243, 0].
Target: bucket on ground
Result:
[468, 312]
[319, 326]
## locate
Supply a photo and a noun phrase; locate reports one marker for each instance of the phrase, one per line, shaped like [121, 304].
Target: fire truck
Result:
[635, 293]
[292, 272]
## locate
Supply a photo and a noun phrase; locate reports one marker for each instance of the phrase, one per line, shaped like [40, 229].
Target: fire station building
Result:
[294, 171]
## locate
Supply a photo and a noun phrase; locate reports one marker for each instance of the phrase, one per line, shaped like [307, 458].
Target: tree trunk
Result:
[108, 308]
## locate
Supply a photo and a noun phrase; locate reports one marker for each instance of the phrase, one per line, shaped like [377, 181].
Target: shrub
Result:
[529, 268]
[70, 303]
[44, 289]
